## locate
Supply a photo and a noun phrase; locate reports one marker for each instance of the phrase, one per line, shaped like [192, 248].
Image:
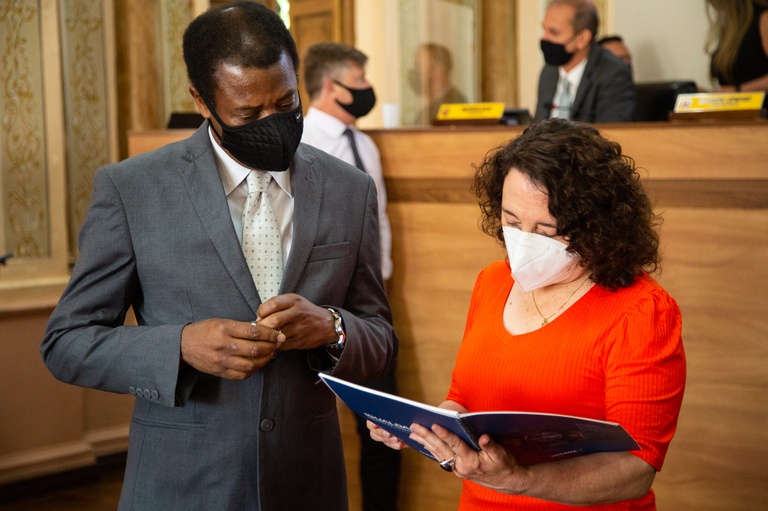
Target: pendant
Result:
[544, 322]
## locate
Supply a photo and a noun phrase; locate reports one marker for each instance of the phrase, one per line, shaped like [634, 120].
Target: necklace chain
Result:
[545, 319]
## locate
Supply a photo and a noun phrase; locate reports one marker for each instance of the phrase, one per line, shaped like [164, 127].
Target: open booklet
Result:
[531, 437]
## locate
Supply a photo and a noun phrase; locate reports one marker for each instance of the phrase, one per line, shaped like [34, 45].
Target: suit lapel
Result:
[203, 184]
[586, 83]
[548, 90]
[307, 187]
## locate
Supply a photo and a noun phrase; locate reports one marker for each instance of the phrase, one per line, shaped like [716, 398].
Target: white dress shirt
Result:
[326, 133]
[233, 178]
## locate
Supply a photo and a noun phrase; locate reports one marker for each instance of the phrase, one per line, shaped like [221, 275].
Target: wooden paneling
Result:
[498, 52]
[144, 141]
[711, 184]
[44, 421]
[314, 21]
[714, 265]
[666, 151]
[138, 68]
[709, 193]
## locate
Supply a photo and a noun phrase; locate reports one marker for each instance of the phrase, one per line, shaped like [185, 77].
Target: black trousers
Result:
[379, 465]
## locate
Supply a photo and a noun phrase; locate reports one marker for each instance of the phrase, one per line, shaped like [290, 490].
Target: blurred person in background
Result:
[431, 79]
[738, 44]
[616, 45]
[580, 80]
[340, 93]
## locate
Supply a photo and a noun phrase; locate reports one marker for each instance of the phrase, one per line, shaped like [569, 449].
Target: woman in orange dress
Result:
[570, 323]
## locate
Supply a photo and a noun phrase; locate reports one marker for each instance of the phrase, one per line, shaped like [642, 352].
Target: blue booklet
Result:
[531, 437]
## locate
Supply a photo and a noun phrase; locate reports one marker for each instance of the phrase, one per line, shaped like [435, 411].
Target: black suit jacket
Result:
[606, 92]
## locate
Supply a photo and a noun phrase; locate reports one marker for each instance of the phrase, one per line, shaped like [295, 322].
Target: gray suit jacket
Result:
[159, 237]
[606, 92]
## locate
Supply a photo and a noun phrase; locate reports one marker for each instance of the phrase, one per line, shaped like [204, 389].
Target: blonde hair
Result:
[728, 23]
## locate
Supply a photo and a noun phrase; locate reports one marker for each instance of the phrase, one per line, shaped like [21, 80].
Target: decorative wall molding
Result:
[106, 441]
[86, 104]
[67, 456]
[22, 141]
[47, 460]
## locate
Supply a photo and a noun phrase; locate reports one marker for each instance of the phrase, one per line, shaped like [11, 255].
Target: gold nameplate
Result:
[719, 102]
[466, 113]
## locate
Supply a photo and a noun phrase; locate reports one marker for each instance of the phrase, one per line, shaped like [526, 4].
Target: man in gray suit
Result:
[581, 80]
[229, 411]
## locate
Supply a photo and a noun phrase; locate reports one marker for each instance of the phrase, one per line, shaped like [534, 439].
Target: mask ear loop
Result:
[351, 93]
[342, 86]
[215, 116]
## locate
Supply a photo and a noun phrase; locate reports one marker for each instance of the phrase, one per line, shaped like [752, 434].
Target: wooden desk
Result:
[711, 184]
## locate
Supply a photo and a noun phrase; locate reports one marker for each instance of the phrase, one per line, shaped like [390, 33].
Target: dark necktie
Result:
[351, 136]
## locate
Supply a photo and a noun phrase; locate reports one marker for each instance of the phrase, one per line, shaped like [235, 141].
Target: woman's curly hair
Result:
[595, 196]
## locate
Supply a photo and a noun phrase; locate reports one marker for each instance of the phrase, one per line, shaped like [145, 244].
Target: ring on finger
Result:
[448, 464]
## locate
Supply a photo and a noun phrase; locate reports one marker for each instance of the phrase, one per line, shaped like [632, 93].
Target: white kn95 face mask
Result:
[537, 261]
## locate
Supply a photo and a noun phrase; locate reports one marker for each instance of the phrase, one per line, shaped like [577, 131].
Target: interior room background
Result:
[77, 77]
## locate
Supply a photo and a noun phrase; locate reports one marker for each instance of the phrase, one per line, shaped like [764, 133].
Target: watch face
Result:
[339, 329]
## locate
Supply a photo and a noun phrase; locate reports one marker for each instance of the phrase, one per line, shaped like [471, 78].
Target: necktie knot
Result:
[258, 181]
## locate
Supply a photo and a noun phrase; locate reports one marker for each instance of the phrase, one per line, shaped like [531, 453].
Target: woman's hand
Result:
[600, 478]
[381, 435]
[493, 466]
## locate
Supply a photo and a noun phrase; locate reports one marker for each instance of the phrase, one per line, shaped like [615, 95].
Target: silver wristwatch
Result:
[338, 326]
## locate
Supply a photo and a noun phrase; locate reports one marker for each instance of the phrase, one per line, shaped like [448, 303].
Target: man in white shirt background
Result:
[334, 77]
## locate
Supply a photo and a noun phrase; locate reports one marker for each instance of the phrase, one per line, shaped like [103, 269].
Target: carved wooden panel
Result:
[32, 187]
[23, 147]
[86, 103]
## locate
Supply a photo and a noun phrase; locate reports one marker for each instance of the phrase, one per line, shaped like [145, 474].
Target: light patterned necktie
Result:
[261, 237]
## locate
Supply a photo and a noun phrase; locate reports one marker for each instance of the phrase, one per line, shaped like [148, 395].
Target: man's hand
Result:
[305, 325]
[229, 349]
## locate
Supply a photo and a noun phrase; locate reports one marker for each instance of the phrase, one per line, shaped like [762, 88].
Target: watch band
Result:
[338, 326]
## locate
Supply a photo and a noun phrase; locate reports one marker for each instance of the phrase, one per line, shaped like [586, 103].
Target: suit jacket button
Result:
[146, 393]
[155, 395]
[267, 425]
[132, 390]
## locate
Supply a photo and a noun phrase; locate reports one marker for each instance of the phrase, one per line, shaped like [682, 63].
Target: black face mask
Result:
[555, 54]
[362, 101]
[265, 144]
